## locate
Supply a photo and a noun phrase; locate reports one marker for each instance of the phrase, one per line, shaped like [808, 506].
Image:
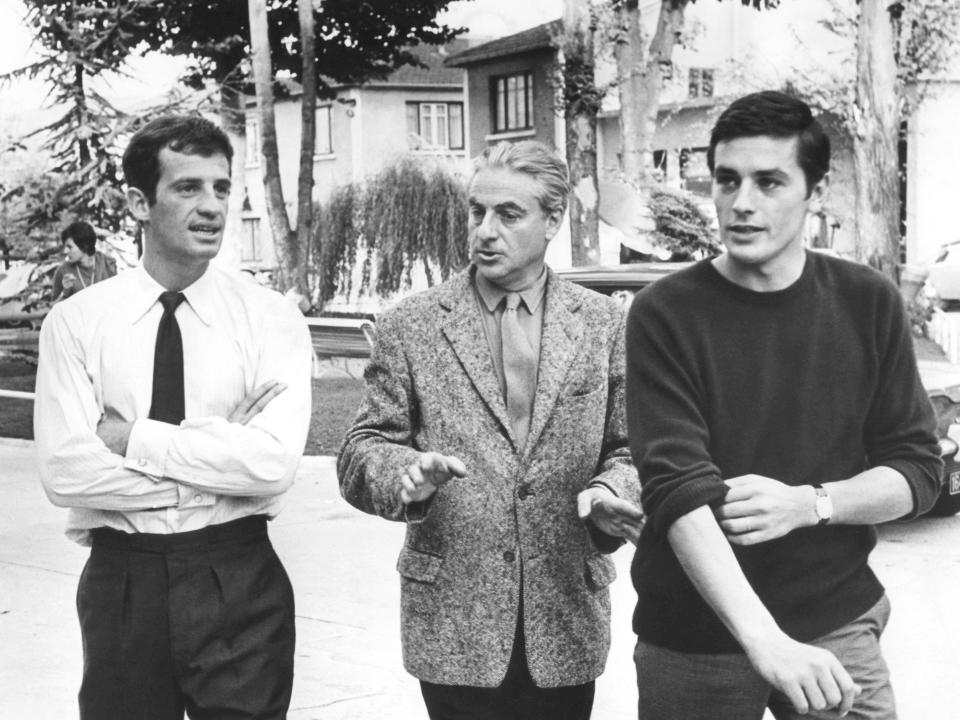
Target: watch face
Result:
[824, 507]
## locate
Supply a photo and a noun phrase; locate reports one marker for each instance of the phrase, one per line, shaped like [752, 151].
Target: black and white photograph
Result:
[479, 359]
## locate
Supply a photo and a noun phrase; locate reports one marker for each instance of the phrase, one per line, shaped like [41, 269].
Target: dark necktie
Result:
[166, 403]
[519, 369]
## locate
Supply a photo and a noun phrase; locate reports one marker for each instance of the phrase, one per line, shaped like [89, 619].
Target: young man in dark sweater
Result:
[775, 416]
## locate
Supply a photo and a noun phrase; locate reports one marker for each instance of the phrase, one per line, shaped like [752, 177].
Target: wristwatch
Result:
[823, 506]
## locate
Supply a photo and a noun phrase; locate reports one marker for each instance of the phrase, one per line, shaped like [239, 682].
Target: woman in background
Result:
[84, 265]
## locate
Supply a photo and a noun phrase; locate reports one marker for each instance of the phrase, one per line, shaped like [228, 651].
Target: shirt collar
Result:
[492, 295]
[146, 292]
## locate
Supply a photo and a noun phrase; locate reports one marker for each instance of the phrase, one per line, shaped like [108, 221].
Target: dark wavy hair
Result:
[779, 115]
[189, 134]
[83, 236]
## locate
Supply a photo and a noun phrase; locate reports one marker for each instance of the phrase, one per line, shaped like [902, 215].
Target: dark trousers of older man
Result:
[517, 698]
[200, 621]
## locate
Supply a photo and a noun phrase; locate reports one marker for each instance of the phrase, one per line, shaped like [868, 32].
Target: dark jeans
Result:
[201, 622]
[517, 698]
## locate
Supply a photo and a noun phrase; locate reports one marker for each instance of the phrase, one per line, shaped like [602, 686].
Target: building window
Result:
[324, 140]
[666, 73]
[253, 143]
[250, 242]
[435, 126]
[701, 82]
[660, 163]
[694, 171]
[513, 102]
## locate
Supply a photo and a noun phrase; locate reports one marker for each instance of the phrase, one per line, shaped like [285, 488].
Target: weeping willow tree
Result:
[410, 215]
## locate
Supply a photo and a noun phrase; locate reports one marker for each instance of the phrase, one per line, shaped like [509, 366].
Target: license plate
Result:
[955, 482]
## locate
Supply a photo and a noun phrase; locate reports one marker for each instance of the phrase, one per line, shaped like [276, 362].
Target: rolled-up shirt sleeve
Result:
[669, 437]
[259, 458]
[76, 467]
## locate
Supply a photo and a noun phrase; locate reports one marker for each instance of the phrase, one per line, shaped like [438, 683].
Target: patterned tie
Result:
[519, 369]
[166, 403]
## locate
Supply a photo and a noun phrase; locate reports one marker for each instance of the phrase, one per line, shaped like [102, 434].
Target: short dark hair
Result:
[778, 115]
[82, 234]
[189, 134]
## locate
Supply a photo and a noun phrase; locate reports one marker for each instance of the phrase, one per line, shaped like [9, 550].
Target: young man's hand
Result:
[255, 401]
[812, 678]
[114, 432]
[431, 471]
[611, 514]
[758, 508]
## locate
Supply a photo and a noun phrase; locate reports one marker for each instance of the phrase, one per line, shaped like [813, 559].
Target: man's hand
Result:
[758, 508]
[812, 678]
[614, 516]
[69, 281]
[421, 480]
[255, 401]
[114, 432]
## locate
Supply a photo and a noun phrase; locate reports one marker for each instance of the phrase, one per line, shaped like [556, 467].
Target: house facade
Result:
[732, 50]
[418, 110]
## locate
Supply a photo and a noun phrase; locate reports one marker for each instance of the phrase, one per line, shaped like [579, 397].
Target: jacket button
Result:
[509, 556]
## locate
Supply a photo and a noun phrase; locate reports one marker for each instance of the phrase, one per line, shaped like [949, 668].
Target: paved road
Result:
[342, 566]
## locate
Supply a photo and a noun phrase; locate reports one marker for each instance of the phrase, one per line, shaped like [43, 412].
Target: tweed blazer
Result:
[431, 386]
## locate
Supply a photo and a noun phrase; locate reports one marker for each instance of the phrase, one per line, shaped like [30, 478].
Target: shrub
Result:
[681, 226]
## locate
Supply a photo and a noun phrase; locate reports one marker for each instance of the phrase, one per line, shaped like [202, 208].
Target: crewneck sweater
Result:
[810, 384]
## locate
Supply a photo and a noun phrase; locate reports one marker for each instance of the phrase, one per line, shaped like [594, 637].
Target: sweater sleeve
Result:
[669, 437]
[900, 429]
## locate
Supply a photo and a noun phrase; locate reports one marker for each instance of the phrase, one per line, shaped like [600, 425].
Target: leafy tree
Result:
[407, 215]
[346, 43]
[354, 42]
[581, 104]
[894, 48]
[640, 75]
[79, 42]
[681, 226]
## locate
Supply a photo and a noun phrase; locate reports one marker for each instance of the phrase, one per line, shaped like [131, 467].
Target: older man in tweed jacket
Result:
[505, 608]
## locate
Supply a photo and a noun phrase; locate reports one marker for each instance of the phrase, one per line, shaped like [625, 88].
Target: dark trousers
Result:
[201, 622]
[517, 698]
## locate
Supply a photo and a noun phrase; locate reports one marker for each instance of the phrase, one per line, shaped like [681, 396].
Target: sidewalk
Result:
[348, 646]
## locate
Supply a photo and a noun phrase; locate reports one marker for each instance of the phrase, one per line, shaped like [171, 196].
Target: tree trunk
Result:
[581, 105]
[283, 238]
[630, 57]
[308, 139]
[669, 28]
[875, 141]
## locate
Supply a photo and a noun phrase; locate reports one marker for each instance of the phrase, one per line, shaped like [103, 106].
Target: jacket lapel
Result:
[559, 341]
[464, 331]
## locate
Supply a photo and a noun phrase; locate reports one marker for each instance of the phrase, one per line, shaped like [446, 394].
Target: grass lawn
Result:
[335, 401]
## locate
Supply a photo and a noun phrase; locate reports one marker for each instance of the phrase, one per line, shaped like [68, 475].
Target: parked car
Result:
[944, 272]
[621, 281]
[941, 382]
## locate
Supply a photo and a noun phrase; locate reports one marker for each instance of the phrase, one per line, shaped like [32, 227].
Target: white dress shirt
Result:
[96, 358]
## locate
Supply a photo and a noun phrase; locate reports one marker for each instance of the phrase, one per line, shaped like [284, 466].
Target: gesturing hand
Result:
[432, 470]
[611, 514]
[255, 401]
[758, 508]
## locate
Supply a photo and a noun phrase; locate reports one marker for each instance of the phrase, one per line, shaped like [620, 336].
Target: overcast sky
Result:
[20, 105]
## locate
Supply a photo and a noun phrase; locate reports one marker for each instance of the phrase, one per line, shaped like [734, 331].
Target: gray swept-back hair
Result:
[536, 159]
